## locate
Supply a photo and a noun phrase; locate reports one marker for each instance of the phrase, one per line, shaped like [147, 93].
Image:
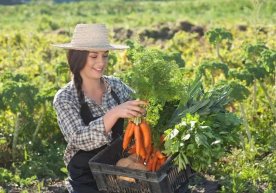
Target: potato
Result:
[132, 163]
[124, 162]
[133, 157]
[138, 166]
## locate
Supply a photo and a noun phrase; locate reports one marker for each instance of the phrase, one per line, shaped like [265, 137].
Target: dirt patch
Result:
[49, 186]
[160, 32]
[198, 183]
[202, 183]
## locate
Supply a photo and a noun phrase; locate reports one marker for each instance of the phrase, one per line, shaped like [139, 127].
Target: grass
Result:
[47, 16]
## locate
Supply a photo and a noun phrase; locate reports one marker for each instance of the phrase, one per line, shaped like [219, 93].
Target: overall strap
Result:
[115, 96]
[85, 112]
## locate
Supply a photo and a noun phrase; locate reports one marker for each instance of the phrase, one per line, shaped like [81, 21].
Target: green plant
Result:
[2, 190]
[217, 37]
[260, 61]
[215, 68]
[156, 77]
[17, 95]
[154, 74]
[46, 162]
[7, 177]
[193, 143]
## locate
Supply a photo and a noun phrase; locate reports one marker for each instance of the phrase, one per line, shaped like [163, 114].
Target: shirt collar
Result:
[106, 84]
[103, 78]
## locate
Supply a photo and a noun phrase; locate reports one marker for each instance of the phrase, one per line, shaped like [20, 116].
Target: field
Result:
[219, 48]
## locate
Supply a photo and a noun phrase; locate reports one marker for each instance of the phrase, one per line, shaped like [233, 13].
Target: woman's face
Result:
[95, 65]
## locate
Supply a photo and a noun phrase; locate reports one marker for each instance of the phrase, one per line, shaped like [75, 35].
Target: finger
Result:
[138, 102]
[137, 109]
[134, 114]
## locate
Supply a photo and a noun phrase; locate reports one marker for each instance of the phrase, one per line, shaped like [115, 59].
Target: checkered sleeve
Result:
[75, 131]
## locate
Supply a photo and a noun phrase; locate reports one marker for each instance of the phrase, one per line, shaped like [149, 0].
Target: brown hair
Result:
[77, 60]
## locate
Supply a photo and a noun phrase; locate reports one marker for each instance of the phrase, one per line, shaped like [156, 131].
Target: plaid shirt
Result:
[76, 133]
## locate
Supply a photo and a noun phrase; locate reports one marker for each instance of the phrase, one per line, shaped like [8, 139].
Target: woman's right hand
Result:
[130, 109]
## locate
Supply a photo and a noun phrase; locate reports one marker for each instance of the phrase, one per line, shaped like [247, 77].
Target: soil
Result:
[198, 183]
[160, 32]
[50, 186]
[203, 183]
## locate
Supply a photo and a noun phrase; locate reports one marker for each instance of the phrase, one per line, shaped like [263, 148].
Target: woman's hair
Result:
[77, 60]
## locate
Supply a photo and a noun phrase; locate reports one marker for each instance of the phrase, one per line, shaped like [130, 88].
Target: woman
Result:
[91, 108]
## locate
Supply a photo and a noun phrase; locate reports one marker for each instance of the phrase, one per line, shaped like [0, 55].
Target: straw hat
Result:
[91, 37]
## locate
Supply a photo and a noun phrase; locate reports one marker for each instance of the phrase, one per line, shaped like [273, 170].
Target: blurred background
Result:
[225, 41]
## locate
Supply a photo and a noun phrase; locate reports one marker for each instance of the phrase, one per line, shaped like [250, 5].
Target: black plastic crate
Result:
[166, 180]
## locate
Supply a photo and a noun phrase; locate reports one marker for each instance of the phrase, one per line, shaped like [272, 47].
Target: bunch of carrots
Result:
[139, 130]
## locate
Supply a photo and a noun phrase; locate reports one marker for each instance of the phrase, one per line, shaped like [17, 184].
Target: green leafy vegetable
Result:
[192, 142]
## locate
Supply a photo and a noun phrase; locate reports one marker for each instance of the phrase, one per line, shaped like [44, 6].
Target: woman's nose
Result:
[101, 60]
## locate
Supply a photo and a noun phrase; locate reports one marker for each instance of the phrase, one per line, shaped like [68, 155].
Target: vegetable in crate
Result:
[201, 129]
[155, 76]
[211, 107]
[139, 132]
[193, 142]
[131, 162]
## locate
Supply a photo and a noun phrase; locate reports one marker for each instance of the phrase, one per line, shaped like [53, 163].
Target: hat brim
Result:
[69, 46]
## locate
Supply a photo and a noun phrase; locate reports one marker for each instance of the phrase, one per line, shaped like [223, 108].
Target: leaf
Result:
[209, 134]
[216, 142]
[64, 170]
[186, 161]
[174, 133]
[217, 35]
[201, 140]
[186, 137]
[3, 140]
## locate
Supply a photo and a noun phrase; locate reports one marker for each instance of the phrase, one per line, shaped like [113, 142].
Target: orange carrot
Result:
[148, 151]
[155, 159]
[149, 164]
[145, 129]
[128, 134]
[159, 154]
[140, 150]
[158, 165]
[131, 132]
[132, 149]
[162, 161]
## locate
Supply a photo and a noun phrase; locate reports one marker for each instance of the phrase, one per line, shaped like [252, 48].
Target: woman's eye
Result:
[105, 56]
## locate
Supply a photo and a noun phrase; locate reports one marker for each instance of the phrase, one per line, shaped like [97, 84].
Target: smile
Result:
[98, 69]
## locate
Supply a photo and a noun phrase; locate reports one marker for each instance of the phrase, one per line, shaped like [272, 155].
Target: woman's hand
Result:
[129, 109]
